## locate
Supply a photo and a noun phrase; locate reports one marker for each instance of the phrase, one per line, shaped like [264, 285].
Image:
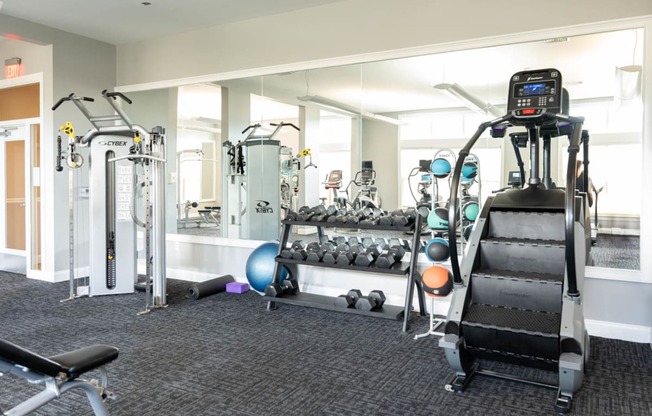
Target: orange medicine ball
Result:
[437, 281]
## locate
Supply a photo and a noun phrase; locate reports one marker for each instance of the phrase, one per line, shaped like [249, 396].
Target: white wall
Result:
[380, 145]
[349, 28]
[80, 65]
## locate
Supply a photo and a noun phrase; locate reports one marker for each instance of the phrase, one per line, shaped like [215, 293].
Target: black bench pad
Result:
[73, 363]
[76, 363]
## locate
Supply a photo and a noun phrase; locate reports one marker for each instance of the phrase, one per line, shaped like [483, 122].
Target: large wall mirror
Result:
[397, 112]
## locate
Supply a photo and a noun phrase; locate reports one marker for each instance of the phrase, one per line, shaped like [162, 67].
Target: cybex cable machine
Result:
[125, 160]
[252, 184]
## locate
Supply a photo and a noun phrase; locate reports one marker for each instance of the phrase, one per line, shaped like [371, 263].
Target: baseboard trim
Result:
[615, 330]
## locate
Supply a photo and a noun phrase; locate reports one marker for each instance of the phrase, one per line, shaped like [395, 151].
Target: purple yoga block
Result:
[237, 287]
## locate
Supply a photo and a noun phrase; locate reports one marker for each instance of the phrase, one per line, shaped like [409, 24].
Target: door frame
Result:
[31, 177]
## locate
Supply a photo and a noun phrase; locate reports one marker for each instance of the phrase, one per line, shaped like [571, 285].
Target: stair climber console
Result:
[517, 295]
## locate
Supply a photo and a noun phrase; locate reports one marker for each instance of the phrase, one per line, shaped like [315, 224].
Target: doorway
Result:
[20, 193]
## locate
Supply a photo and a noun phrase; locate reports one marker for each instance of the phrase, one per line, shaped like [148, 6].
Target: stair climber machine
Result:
[124, 160]
[517, 293]
[252, 187]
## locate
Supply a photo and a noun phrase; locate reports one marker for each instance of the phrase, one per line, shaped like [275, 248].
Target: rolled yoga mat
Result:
[209, 287]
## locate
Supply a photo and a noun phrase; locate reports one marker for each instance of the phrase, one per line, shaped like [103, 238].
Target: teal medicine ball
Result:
[438, 219]
[470, 210]
[469, 170]
[441, 168]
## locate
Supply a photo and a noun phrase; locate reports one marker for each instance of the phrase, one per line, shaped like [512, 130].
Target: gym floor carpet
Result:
[226, 355]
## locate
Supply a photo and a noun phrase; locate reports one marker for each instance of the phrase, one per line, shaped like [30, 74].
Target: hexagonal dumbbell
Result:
[349, 300]
[374, 301]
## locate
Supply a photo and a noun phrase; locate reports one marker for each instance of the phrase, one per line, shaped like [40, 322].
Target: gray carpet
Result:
[227, 355]
[617, 251]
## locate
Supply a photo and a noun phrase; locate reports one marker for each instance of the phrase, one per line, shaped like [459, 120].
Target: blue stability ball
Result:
[260, 266]
[438, 219]
[469, 170]
[441, 168]
[437, 250]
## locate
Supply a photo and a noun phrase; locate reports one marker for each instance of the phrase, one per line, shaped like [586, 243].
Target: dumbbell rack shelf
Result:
[327, 302]
[399, 268]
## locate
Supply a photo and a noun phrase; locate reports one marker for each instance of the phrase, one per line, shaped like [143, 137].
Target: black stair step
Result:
[536, 242]
[526, 224]
[517, 290]
[554, 279]
[520, 359]
[523, 255]
[513, 320]
[512, 331]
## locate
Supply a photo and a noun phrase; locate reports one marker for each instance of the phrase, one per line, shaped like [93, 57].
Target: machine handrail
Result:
[569, 210]
[569, 215]
[455, 184]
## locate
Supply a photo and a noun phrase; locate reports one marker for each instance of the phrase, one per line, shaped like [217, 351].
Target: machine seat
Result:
[73, 363]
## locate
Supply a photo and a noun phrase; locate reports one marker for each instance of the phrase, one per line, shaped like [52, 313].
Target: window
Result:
[334, 150]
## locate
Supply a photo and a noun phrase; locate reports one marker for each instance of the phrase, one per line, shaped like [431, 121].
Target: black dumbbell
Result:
[397, 252]
[357, 249]
[349, 300]
[288, 253]
[314, 252]
[305, 213]
[400, 221]
[291, 216]
[394, 242]
[287, 287]
[384, 261]
[329, 257]
[374, 301]
[386, 220]
[344, 258]
[319, 213]
[367, 241]
[341, 218]
[398, 212]
[300, 254]
[410, 214]
[340, 239]
[353, 219]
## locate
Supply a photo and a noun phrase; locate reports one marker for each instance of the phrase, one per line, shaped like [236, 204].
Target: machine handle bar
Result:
[116, 94]
[284, 124]
[70, 98]
[59, 168]
[253, 126]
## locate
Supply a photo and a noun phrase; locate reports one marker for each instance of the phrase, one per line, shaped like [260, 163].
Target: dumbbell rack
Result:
[402, 268]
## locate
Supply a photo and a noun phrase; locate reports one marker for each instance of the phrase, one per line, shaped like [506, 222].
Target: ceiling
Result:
[125, 21]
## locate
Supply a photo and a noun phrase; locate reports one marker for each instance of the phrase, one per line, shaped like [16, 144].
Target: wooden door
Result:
[15, 194]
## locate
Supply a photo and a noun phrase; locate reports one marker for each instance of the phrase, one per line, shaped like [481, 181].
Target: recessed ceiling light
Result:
[556, 40]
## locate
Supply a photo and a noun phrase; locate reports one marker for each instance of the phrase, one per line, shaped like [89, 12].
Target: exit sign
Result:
[13, 68]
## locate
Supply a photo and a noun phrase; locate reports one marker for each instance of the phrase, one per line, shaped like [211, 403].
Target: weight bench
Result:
[210, 214]
[59, 373]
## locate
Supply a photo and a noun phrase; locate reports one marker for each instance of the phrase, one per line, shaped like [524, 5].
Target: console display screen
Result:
[534, 89]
